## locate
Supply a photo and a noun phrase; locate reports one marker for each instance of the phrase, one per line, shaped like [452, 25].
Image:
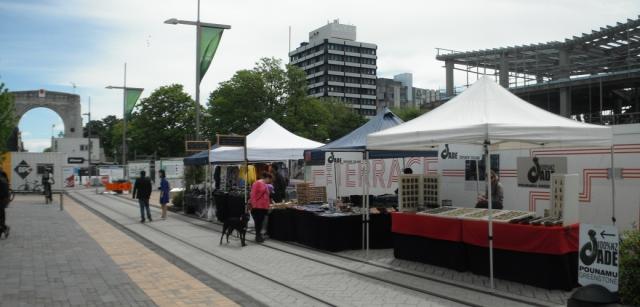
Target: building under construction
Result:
[593, 77]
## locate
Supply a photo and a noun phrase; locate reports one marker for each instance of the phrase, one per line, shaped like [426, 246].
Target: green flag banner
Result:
[209, 41]
[132, 95]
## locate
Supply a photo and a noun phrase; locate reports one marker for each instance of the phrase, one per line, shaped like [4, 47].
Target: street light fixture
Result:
[199, 25]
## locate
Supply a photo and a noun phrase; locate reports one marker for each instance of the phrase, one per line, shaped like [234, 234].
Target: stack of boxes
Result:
[418, 191]
[308, 194]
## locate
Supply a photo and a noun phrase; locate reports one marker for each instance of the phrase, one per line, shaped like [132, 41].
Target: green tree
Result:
[103, 129]
[242, 103]
[162, 122]
[407, 114]
[7, 116]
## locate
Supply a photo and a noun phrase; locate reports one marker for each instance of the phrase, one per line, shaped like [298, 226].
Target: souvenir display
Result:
[438, 210]
[431, 191]
[459, 212]
[409, 192]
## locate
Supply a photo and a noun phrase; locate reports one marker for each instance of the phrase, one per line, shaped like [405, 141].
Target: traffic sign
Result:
[23, 169]
[75, 160]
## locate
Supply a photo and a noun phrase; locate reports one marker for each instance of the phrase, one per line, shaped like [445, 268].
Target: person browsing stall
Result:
[259, 202]
[497, 194]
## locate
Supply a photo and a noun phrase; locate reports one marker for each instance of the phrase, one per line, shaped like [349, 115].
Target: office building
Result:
[399, 92]
[337, 66]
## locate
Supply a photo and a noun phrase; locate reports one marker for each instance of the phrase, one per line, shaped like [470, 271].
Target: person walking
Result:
[164, 193]
[142, 191]
[47, 182]
[4, 202]
[259, 202]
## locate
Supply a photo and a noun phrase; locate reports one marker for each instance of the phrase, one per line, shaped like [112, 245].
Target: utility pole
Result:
[89, 138]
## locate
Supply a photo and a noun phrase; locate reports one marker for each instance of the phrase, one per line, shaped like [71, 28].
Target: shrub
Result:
[178, 199]
[630, 268]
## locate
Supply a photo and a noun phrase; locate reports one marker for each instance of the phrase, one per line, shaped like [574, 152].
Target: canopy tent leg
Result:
[487, 178]
[477, 177]
[613, 186]
[368, 221]
[362, 202]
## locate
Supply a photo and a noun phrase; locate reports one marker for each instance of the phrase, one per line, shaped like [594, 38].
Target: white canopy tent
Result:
[269, 142]
[488, 114]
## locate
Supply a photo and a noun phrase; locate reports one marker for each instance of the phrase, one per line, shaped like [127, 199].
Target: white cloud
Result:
[36, 145]
[406, 32]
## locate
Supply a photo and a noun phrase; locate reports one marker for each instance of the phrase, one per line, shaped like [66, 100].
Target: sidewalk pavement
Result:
[72, 257]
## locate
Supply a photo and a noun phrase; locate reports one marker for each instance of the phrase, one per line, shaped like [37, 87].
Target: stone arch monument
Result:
[66, 105]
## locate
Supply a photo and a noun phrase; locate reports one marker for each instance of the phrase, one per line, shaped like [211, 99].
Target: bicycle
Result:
[31, 187]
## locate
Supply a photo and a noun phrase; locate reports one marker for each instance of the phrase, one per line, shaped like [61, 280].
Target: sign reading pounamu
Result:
[197, 146]
[598, 256]
[231, 140]
[75, 160]
[535, 172]
[23, 169]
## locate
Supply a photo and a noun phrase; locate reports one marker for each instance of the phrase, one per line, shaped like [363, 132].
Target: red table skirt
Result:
[555, 240]
[426, 226]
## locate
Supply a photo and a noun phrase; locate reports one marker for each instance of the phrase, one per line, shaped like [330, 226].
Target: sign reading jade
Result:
[598, 256]
[535, 172]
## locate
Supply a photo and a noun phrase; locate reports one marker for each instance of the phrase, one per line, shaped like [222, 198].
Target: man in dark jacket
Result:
[4, 201]
[142, 189]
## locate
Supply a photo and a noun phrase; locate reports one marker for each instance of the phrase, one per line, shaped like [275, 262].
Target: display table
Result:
[427, 239]
[330, 233]
[536, 255]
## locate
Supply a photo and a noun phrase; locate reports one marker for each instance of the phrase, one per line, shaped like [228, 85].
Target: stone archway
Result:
[66, 105]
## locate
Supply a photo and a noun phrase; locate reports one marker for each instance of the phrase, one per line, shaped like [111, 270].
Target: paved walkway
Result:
[283, 274]
[49, 260]
[73, 257]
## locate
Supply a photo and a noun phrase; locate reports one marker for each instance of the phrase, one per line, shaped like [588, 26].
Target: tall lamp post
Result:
[89, 137]
[210, 49]
[129, 97]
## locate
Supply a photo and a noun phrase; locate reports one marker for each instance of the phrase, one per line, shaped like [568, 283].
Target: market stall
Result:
[490, 116]
[308, 225]
[196, 195]
[539, 255]
[267, 144]
[349, 152]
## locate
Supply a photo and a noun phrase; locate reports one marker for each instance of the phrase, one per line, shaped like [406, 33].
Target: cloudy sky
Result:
[53, 44]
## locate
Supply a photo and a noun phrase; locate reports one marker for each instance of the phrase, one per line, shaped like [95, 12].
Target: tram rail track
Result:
[190, 220]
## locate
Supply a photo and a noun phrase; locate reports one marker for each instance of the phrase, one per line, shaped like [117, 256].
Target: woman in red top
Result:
[259, 202]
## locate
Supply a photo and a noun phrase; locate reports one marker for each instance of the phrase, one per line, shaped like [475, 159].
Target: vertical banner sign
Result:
[598, 256]
[132, 95]
[209, 41]
[535, 172]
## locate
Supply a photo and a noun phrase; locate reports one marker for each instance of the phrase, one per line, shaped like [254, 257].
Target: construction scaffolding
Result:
[593, 77]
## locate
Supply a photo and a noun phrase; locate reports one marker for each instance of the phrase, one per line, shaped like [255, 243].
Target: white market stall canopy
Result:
[269, 142]
[488, 112]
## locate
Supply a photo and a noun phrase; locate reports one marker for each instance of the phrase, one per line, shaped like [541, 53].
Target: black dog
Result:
[235, 223]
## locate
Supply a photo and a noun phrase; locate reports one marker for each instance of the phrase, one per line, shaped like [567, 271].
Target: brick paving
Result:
[163, 282]
[49, 260]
